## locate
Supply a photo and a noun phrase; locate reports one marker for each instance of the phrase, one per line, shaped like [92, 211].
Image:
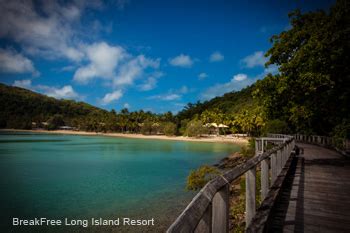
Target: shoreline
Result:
[216, 139]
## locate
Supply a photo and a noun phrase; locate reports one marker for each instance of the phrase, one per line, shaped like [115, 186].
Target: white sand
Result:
[220, 139]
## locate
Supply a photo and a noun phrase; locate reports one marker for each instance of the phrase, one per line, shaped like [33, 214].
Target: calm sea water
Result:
[79, 177]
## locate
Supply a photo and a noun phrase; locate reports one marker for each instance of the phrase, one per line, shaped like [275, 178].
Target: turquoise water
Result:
[79, 177]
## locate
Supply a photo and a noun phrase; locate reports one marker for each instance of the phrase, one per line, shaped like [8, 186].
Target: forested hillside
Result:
[24, 109]
[231, 102]
[21, 107]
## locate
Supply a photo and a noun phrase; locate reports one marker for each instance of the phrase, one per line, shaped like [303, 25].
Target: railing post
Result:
[282, 158]
[221, 210]
[264, 178]
[273, 167]
[289, 150]
[284, 151]
[285, 155]
[250, 187]
[262, 145]
[205, 224]
[279, 161]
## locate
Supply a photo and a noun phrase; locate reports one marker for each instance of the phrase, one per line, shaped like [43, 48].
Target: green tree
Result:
[195, 128]
[169, 128]
[250, 120]
[183, 126]
[198, 178]
[276, 126]
[55, 121]
[312, 91]
[146, 127]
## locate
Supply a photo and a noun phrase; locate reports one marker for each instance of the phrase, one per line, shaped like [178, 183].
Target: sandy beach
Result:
[216, 139]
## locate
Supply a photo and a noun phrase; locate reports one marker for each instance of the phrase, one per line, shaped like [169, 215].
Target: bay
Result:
[84, 177]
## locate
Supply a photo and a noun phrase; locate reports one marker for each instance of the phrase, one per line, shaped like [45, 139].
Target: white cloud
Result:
[182, 61]
[237, 82]
[240, 77]
[65, 92]
[26, 83]
[183, 90]
[254, 60]
[110, 97]
[67, 68]
[151, 82]
[273, 69]
[13, 62]
[126, 105]
[114, 64]
[97, 27]
[44, 29]
[54, 30]
[181, 105]
[202, 76]
[134, 69]
[166, 97]
[103, 61]
[172, 94]
[216, 57]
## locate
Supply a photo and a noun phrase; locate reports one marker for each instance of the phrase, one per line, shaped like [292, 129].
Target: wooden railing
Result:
[341, 145]
[209, 209]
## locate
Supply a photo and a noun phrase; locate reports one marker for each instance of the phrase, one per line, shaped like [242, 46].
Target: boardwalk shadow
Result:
[341, 162]
[289, 199]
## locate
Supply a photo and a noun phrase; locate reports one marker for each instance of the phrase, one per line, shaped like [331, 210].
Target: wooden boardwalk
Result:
[316, 194]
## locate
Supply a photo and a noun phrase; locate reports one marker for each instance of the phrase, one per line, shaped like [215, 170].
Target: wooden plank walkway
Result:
[316, 194]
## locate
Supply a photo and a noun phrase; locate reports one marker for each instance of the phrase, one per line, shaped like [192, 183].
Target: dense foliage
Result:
[312, 91]
[20, 107]
[24, 109]
[198, 178]
[238, 110]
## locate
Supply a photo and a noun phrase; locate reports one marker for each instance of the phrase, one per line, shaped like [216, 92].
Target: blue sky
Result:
[151, 55]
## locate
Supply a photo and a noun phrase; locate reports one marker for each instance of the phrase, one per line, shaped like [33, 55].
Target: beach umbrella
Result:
[222, 126]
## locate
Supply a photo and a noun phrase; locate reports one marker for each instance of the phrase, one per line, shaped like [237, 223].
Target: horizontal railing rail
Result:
[209, 209]
[341, 145]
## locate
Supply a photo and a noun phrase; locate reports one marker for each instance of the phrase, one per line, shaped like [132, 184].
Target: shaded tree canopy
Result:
[312, 90]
